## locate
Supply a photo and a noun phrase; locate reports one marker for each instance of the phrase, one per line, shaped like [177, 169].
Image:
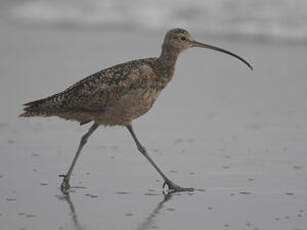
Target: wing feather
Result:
[94, 93]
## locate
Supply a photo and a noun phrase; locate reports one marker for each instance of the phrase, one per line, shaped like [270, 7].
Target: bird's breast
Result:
[143, 102]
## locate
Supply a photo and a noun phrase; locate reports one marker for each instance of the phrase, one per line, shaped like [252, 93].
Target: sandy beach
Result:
[238, 137]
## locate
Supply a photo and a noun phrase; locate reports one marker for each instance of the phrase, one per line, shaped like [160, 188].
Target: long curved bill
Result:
[202, 45]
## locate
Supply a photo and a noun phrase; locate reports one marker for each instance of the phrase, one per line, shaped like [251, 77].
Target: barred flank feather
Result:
[33, 114]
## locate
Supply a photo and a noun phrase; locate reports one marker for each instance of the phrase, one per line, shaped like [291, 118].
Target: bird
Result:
[118, 95]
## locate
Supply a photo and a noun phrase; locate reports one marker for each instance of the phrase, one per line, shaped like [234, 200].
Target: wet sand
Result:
[238, 137]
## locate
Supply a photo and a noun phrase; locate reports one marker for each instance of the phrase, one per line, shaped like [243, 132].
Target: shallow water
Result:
[238, 137]
[269, 19]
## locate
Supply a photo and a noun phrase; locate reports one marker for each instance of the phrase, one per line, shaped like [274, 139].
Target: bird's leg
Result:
[171, 186]
[65, 184]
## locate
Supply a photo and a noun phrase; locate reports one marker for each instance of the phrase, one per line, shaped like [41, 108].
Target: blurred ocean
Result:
[270, 19]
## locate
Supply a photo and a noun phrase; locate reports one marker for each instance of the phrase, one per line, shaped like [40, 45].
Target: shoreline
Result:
[238, 135]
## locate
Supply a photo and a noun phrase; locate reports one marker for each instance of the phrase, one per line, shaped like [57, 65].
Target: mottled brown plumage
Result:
[119, 94]
[113, 96]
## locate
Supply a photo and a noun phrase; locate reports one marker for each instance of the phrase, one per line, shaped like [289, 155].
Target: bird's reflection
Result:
[148, 222]
[73, 213]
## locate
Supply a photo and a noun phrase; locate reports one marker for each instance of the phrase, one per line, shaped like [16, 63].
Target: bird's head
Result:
[180, 39]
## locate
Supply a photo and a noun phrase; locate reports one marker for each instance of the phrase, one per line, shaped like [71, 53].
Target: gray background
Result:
[238, 137]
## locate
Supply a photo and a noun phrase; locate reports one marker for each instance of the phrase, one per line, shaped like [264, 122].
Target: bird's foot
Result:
[65, 186]
[176, 188]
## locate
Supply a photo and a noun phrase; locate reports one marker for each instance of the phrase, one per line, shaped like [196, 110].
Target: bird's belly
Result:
[129, 107]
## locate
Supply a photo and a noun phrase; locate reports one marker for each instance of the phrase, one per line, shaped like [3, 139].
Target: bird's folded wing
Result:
[94, 93]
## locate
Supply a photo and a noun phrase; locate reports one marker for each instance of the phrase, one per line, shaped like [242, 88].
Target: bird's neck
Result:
[168, 58]
[165, 65]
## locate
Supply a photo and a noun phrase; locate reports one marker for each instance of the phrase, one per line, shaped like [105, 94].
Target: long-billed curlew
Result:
[118, 95]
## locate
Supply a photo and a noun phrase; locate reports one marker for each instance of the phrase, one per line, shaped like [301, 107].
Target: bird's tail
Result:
[42, 107]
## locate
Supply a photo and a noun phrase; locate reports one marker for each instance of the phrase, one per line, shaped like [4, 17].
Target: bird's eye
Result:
[183, 38]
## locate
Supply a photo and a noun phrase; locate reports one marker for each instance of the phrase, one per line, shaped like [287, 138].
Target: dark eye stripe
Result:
[183, 38]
